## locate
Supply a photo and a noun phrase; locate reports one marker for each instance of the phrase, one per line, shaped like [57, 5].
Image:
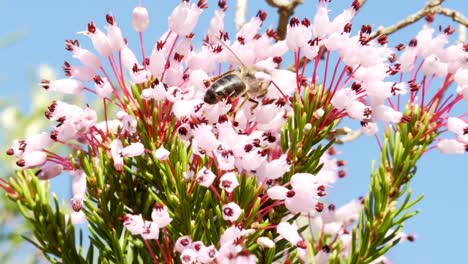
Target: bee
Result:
[236, 83]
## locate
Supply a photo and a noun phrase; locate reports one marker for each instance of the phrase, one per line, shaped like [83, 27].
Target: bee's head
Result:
[211, 97]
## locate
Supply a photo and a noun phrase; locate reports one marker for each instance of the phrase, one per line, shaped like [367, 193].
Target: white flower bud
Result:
[265, 242]
[133, 150]
[140, 19]
[277, 192]
[161, 153]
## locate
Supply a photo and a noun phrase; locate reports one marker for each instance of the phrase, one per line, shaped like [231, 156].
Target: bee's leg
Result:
[239, 106]
[255, 104]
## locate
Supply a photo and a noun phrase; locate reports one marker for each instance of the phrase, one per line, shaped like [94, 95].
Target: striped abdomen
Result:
[229, 85]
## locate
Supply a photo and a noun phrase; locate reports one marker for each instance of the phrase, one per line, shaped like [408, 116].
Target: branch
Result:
[240, 13]
[432, 7]
[285, 11]
[454, 14]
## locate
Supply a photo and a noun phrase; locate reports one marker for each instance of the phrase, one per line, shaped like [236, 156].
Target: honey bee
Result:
[236, 83]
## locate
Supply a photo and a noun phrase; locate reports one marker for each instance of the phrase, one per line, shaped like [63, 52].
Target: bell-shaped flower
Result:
[115, 147]
[188, 256]
[205, 138]
[358, 110]
[386, 114]
[184, 18]
[205, 177]
[228, 182]
[85, 56]
[78, 217]
[278, 192]
[100, 41]
[161, 154]
[289, 232]
[132, 150]
[134, 223]
[32, 159]
[231, 212]
[451, 146]
[49, 170]
[103, 87]
[65, 86]
[160, 215]
[183, 243]
[348, 213]
[298, 34]
[207, 254]
[265, 242]
[114, 34]
[274, 169]
[343, 98]
[78, 182]
[150, 230]
[230, 235]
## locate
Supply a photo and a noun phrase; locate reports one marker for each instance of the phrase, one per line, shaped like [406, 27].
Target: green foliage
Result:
[390, 202]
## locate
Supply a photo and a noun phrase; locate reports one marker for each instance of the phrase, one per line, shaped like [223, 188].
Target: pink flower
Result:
[205, 177]
[49, 170]
[150, 230]
[289, 232]
[228, 182]
[184, 17]
[231, 212]
[160, 215]
[183, 243]
[451, 146]
[134, 223]
[66, 86]
[140, 19]
[161, 154]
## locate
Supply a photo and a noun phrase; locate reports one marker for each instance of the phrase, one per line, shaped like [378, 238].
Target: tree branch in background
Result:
[285, 11]
[241, 11]
[432, 7]
[461, 33]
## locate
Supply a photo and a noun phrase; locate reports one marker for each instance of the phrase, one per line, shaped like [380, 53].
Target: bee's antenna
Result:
[233, 53]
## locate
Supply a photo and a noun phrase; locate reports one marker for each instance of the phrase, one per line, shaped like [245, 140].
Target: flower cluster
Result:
[218, 121]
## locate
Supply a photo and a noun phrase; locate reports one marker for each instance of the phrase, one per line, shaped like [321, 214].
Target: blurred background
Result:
[32, 47]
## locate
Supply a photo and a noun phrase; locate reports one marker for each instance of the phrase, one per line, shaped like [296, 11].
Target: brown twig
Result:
[285, 11]
[241, 10]
[432, 7]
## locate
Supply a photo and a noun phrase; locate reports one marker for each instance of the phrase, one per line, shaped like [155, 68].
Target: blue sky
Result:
[440, 228]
